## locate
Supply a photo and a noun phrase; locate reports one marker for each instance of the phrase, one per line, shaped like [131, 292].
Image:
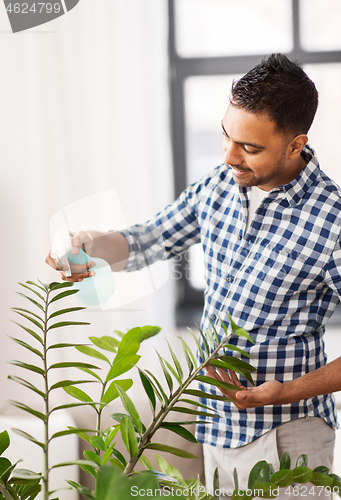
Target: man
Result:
[269, 222]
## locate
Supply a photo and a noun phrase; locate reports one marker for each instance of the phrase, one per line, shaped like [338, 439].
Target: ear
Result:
[296, 145]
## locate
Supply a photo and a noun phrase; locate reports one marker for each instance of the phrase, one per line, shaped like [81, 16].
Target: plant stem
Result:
[5, 493]
[164, 410]
[45, 475]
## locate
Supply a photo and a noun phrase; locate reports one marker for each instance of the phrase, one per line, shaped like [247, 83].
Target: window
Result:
[213, 41]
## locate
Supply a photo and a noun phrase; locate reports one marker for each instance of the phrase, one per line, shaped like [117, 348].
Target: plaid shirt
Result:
[280, 281]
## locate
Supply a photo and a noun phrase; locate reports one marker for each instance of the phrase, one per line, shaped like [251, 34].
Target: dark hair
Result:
[279, 87]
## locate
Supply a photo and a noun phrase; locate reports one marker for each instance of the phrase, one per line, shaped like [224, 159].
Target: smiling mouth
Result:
[239, 171]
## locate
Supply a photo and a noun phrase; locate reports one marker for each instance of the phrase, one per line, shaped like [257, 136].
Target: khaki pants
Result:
[310, 436]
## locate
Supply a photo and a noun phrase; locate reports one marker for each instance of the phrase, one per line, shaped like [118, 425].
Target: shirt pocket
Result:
[278, 268]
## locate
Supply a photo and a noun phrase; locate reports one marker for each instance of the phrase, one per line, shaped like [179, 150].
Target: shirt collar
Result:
[296, 189]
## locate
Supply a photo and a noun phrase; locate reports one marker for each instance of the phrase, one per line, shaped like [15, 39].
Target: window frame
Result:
[189, 302]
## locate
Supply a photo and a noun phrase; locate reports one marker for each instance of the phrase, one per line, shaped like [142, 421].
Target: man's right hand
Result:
[80, 240]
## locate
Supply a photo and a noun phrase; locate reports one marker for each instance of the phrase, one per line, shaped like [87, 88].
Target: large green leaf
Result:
[27, 312]
[189, 411]
[218, 383]
[321, 468]
[302, 461]
[147, 332]
[29, 437]
[66, 383]
[146, 462]
[4, 465]
[235, 364]
[131, 337]
[119, 456]
[27, 384]
[176, 363]
[31, 332]
[156, 390]
[302, 474]
[128, 350]
[166, 374]
[92, 373]
[191, 355]
[210, 339]
[285, 462]
[170, 449]
[77, 393]
[74, 462]
[73, 364]
[89, 351]
[260, 473]
[26, 474]
[149, 390]
[56, 285]
[216, 483]
[26, 408]
[282, 478]
[237, 349]
[63, 294]
[204, 341]
[129, 437]
[107, 454]
[206, 395]
[72, 430]
[85, 492]
[187, 356]
[159, 386]
[111, 393]
[61, 324]
[201, 352]
[65, 311]
[129, 406]
[238, 365]
[37, 304]
[169, 470]
[320, 479]
[63, 345]
[4, 441]
[107, 343]
[32, 320]
[27, 346]
[265, 490]
[173, 372]
[26, 366]
[110, 433]
[178, 429]
[122, 366]
[97, 442]
[33, 291]
[196, 403]
[239, 331]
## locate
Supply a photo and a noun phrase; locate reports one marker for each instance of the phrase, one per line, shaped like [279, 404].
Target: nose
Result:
[232, 156]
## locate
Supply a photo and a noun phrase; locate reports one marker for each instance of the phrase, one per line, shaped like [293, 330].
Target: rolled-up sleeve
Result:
[333, 269]
[170, 233]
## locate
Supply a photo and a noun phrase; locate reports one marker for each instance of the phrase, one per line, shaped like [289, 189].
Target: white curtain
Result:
[83, 109]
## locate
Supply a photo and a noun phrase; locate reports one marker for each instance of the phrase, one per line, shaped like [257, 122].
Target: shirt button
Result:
[239, 237]
[213, 317]
[229, 279]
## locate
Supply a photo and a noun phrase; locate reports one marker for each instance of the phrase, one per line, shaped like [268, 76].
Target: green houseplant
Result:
[111, 469]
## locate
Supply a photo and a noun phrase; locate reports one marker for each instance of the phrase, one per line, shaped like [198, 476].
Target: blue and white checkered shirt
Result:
[280, 281]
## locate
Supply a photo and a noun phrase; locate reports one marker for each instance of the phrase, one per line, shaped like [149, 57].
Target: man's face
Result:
[258, 154]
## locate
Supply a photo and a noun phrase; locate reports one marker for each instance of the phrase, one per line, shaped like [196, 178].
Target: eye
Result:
[250, 150]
